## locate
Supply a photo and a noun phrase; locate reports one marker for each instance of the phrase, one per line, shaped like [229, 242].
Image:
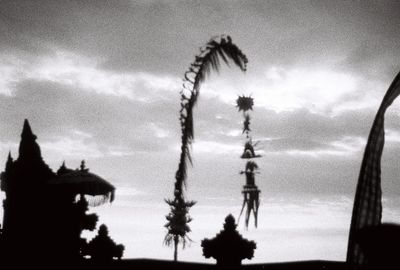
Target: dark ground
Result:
[161, 264]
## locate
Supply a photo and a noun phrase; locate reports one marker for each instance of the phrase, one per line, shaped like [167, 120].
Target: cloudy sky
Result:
[100, 81]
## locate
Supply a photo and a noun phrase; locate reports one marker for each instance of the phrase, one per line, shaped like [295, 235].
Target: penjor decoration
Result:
[251, 199]
[209, 59]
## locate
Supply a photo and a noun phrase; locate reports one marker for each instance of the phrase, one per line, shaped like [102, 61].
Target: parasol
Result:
[83, 182]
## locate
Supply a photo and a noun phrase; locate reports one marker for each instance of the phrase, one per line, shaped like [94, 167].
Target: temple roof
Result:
[30, 171]
[28, 147]
[27, 131]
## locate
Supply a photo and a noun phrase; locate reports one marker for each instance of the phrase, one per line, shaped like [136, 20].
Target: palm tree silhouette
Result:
[208, 59]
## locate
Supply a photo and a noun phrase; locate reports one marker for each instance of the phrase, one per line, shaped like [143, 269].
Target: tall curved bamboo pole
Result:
[208, 59]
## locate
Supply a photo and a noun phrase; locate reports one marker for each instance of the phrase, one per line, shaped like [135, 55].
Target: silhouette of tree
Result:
[208, 59]
[228, 247]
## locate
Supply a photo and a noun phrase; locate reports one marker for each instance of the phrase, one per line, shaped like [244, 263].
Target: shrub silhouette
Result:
[102, 247]
[228, 247]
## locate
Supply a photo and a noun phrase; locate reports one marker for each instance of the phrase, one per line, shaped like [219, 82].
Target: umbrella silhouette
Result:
[83, 182]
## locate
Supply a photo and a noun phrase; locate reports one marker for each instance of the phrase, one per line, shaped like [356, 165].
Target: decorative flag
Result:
[367, 209]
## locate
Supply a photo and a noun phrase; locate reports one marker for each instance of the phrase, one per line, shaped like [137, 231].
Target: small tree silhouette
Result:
[228, 247]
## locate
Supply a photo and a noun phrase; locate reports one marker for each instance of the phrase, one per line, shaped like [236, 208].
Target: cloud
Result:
[319, 89]
[215, 148]
[80, 144]
[344, 147]
[7, 146]
[77, 146]
[9, 77]
[80, 72]
[162, 37]
[392, 136]
[72, 123]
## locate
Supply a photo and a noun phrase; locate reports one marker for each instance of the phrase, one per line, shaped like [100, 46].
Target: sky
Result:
[100, 81]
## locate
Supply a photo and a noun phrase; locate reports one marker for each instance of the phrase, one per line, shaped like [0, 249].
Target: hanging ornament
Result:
[251, 198]
[244, 103]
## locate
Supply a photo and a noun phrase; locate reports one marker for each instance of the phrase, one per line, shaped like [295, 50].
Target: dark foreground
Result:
[162, 265]
[138, 264]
